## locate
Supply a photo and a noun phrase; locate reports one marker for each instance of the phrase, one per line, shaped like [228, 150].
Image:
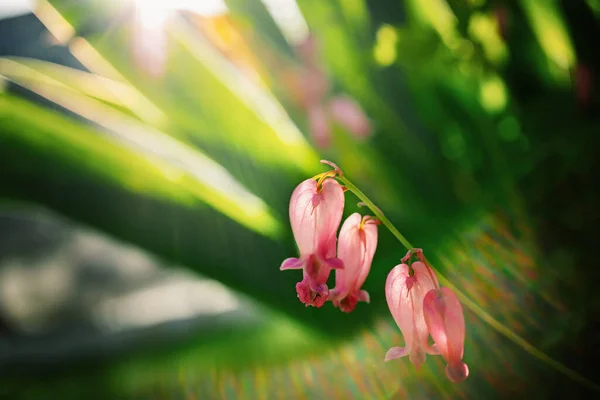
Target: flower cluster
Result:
[316, 209]
[421, 308]
[311, 87]
[417, 303]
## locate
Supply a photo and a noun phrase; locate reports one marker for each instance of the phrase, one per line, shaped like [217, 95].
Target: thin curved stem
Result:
[384, 220]
[471, 305]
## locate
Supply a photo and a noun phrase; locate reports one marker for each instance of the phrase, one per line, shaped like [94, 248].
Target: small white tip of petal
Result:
[395, 352]
[364, 296]
[291, 263]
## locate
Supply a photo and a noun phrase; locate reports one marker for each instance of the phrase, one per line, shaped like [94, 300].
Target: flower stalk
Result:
[468, 303]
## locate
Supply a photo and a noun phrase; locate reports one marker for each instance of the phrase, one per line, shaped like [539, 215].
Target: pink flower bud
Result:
[315, 215]
[348, 113]
[356, 247]
[446, 323]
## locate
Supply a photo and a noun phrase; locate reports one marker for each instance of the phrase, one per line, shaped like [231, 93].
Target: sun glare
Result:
[150, 41]
[155, 12]
[152, 14]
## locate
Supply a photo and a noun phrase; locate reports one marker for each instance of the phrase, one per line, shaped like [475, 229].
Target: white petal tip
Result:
[364, 296]
[395, 352]
[291, 263]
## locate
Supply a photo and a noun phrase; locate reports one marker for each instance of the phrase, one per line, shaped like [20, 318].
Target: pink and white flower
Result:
[446, 323]
[356, 247]
[421, 308]
[404, 292]
[315, 214]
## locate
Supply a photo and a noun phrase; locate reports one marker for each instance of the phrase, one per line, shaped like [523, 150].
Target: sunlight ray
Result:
[232, 198]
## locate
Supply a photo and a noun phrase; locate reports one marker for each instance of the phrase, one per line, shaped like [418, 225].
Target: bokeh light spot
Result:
[484, 30]
[552, 35]
[493, 95]
[385, 48]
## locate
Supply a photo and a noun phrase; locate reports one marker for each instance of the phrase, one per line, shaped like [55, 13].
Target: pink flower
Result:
[421, 308]
[446, 323]
[346, 112]
[404, 293]
[315, 214]
[356, 248]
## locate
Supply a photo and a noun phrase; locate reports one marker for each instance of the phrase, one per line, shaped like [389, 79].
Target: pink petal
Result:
[330, 250]
[404, 295]
[356, 247]
[292, 263]
[400, 302]
[445, 320]
[458, 372]
[396, 352]
[347, 304]
[350, 249]
[370, 241]
[311, 295]
[318, 124]
[316, 271]
[315, 216]
[363, 296]
[303, 217]
[425, 280]
[417, 357]
[333, 263]
[350, 116]
[304, 292]
[329, 216]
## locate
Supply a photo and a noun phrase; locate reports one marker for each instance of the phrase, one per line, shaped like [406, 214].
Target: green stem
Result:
[384, 220]
[471, 305]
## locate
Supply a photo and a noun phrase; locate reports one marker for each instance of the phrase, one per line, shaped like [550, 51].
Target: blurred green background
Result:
[148, 150]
